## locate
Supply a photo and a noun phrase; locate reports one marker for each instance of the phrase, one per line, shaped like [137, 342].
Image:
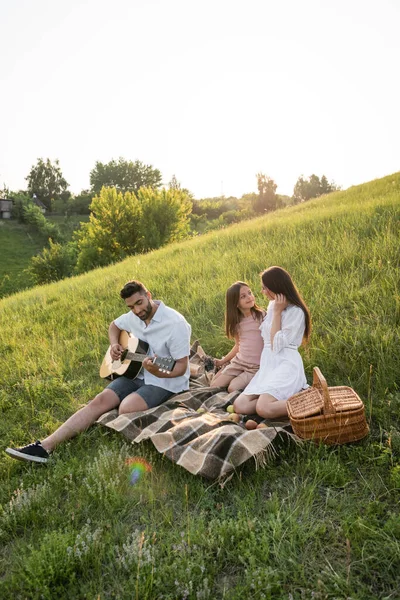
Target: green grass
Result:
[18, 243]
[317, 523]
[17, 246]
[68, 224]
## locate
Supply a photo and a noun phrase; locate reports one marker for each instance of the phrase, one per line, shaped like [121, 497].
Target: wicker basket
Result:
[332, 415]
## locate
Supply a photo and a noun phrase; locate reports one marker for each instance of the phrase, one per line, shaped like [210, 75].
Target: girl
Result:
[286, 325]
[242, 323]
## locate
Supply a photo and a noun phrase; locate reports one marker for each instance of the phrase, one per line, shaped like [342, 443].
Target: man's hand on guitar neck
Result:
[178, 370]
[116, 350]
[149, 365]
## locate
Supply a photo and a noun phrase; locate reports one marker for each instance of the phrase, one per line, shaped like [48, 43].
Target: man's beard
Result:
[146, 313]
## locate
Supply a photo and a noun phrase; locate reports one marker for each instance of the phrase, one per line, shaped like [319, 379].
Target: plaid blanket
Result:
[206, 444]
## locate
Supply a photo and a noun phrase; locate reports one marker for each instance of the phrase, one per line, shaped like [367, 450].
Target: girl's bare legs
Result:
[234, 383]
[265, 406]
[82, 419]
[220, 380]
[269, 407]
[245, 404]
[240, 382]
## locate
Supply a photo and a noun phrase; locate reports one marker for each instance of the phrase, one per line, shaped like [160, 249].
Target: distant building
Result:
[5, 208]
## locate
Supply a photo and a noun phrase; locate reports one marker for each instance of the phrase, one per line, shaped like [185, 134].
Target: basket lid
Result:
[320, 399]
[305, 404]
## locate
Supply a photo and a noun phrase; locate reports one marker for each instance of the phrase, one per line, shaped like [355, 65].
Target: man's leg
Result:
[115, 393]
[82, 419]
[132, 403]
[145, 397]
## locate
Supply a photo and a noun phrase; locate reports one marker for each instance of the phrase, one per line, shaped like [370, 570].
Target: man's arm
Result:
[178, 370]
[113, 335]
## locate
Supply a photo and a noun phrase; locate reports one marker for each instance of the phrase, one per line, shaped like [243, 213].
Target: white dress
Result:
[281, 372]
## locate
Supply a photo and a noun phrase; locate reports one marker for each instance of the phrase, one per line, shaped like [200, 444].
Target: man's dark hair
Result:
[133, 287]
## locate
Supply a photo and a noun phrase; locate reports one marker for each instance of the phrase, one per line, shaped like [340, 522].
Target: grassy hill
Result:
[18, 243]
[17, 246]
[317, 522]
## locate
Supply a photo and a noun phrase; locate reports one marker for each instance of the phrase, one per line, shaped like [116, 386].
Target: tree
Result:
[47, 182]
[20, 201]
[165, 216]
[124, 224]
[79, 204]
[5, 192]
[312, 187]
[112, 232]
[266, 200]
[174, 184]
[124, 175]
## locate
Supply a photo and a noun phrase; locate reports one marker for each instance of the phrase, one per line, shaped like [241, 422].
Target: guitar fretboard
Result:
[135, 356]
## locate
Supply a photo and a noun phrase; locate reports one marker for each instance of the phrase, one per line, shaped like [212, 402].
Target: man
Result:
[167, 333]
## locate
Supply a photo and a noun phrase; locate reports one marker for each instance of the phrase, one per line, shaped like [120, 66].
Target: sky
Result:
[212, 92]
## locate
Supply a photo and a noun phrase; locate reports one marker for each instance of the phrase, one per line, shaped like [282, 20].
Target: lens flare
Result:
[137, 467]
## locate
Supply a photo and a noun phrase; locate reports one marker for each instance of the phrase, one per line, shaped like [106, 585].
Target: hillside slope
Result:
[319, 521]
[18, 243]
[342, 251]
[17, 246]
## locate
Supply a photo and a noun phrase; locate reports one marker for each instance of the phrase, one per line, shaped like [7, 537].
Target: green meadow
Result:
[17, 246]
[18, 243]
[316, 523]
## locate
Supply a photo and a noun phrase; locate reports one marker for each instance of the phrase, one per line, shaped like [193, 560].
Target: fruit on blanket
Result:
[250, 424]
[230, 409]
[234, 417]
[262, 426]
[201, 410]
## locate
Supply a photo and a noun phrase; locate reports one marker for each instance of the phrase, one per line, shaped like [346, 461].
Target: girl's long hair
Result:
[279, 281]
[233, 315]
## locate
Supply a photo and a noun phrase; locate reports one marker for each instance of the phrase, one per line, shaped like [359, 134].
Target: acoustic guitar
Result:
[130, 363]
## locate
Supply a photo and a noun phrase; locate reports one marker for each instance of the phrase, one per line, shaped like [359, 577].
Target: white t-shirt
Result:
[168, 335]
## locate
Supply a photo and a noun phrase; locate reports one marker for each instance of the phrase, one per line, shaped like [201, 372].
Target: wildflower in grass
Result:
[85, 541]
[23, 501]
[105, 474]
[136, 548]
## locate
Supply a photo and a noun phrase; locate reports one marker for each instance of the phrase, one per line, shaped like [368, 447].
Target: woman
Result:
[286, 326]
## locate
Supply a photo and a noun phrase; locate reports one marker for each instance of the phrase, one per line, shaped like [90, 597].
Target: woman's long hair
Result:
[279, 281]
[233, 315]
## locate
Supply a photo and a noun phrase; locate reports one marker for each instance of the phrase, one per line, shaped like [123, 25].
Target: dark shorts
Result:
[151, 394]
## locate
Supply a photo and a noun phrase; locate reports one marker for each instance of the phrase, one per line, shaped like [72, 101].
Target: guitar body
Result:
[129, 368]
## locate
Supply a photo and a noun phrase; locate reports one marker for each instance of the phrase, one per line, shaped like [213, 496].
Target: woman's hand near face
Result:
[280, 303]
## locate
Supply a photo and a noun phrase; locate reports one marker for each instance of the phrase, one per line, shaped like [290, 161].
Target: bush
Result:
[80, 204]
[164, 218]
[122, 224]
[33, 216]
[53, 263]
[20, 202]
[112, 232]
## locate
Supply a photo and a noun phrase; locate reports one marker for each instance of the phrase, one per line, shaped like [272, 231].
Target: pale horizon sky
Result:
[212, 92]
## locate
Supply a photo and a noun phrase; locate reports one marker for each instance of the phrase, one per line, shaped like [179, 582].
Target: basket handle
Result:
[319, 382]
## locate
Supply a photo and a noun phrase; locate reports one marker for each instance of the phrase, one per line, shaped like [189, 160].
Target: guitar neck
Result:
[135, 356]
